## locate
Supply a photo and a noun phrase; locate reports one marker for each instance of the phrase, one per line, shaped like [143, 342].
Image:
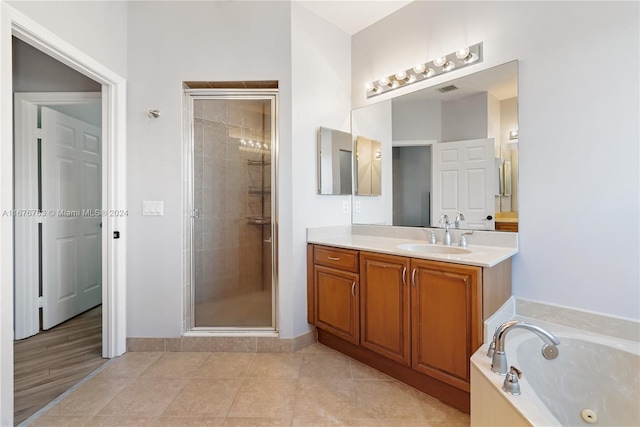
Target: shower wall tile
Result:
[214, 175]
[215, 140]
[237, 203]
[215, 110]
[197, 234]
[237, 175]
[198, 109]
[198, 140]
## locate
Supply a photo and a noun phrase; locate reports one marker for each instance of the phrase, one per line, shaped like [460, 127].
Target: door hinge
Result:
[39, 133]
[195, 213]
[40, 302]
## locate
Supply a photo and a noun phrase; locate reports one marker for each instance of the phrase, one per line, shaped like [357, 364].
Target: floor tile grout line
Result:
[58, 399]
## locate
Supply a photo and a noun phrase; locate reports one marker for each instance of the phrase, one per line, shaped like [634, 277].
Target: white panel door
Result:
[465, 181]
[71, 229]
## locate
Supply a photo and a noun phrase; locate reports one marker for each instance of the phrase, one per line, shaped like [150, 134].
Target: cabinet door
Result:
[384, 306]
[336, 302]
[446, 319]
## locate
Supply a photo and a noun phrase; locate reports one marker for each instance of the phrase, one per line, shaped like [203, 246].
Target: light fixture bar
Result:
[453, 61]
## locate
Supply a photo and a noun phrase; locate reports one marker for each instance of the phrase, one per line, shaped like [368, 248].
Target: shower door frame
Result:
[190, 95]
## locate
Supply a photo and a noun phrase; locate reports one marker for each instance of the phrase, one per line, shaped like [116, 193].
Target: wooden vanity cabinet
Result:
[446, 319]
[336, 287]
[416, 320]
[385, 306]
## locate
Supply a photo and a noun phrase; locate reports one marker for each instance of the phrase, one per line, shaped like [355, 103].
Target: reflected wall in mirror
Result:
[335, 160]
[368, 165]
[477, 108]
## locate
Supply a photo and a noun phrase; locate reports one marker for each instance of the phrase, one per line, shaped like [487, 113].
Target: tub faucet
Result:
[459, 218]
[444, 219]
[499, 358]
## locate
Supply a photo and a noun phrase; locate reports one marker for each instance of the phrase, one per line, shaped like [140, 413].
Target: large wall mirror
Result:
[448, 149]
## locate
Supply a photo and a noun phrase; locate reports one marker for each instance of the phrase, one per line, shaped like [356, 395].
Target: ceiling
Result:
[353, 16]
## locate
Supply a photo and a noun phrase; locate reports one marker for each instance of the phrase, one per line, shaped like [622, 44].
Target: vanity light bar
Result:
[455, 60]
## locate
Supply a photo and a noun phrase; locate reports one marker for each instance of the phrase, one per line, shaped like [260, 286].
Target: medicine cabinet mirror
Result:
[335, 160]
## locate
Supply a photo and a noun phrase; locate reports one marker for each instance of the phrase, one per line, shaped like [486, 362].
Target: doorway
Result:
[58, 204]
[112, 89]
[233, 141]
[412, 185]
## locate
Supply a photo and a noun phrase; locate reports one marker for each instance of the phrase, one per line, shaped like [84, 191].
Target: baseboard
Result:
[212, 343]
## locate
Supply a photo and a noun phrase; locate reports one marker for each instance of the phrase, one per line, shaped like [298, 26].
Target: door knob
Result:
[489, 217]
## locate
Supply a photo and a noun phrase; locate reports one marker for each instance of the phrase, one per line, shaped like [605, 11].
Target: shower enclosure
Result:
[233, 209]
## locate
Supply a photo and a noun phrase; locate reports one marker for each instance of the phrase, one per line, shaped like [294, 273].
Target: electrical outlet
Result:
[345, 207]
[358, 207]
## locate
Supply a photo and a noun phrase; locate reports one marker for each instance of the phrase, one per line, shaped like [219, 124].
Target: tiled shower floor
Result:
[251, 309]
[312, 387]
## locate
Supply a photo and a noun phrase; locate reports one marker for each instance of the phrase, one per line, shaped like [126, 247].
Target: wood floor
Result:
[49, 363]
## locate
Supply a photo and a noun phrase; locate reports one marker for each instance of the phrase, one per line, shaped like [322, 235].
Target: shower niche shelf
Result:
[259, 190]
[258, 220]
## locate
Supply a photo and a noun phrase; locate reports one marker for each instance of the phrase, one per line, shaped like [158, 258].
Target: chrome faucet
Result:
[459, 218]
[463, 239]
[444, 219]
[499, 358]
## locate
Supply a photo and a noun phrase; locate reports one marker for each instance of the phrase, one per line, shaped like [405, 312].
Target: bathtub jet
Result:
[497, 349]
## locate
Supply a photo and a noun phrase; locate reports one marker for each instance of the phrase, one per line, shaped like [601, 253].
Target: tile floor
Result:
[316, 386]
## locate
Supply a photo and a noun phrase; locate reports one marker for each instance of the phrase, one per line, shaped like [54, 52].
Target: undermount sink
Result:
[433, 249]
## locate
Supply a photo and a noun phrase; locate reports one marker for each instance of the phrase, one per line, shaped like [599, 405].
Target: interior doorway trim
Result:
[14, 23]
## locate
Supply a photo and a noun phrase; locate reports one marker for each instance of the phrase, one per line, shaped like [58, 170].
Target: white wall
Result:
[321, 69]
[98, 28]
[419, 119]
[579, 133]
[168, 43]
[465, 118]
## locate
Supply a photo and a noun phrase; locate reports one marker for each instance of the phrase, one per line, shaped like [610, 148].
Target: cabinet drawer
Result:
[342, 259]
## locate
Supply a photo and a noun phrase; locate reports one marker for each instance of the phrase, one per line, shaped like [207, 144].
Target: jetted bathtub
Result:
[595, 380]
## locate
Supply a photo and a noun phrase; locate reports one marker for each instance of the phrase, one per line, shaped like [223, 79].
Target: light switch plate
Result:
[152, 208]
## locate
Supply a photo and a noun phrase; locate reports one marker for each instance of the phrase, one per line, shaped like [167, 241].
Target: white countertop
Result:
[486, 248]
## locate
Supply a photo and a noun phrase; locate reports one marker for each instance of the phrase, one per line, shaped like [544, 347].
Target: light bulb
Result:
[395, 84]
[430, 72]
[448, 66]
[412, 79]
[462, 53]
[401, 75]
[472, 57]
[439, 62]
[419, 68]
[369, 86]
[384, 81]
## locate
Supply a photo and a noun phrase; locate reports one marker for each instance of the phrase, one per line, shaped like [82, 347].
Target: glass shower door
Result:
[232, 232]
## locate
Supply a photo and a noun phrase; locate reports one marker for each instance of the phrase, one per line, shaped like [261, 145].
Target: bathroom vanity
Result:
[413, 310]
